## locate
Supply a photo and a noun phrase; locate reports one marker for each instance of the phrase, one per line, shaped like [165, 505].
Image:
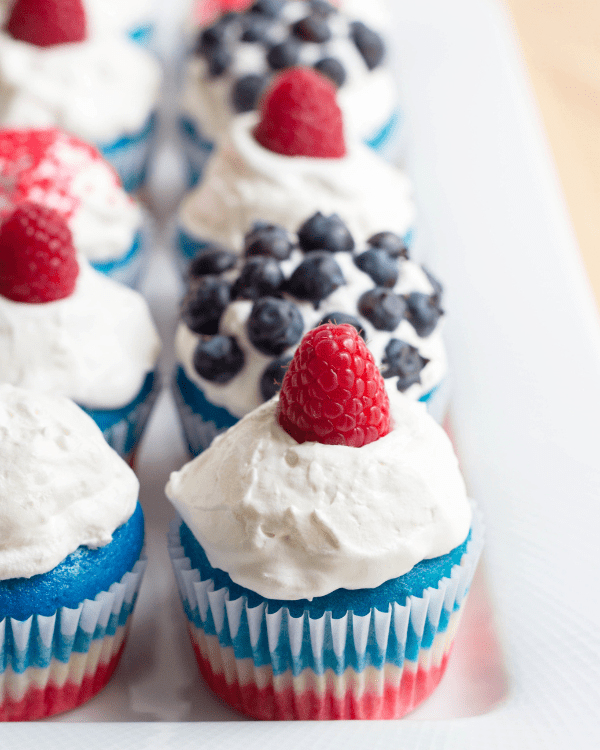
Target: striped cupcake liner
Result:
[278, 667]
[382, 140]
[130, 154]
[197, 149]
[143, 34]
[129, 268]
[50, 664]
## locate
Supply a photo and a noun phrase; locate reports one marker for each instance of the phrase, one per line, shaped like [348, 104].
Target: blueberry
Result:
[284, 55]
[369, 44]
[269, 8]
[339, 318]
[274, 325]
[322, 8]
[218, 359]
[312, 29]
[382, 308]
[212, 261]
[333, 69]
[270, 381]
[268, 239]
[325, 233]
[316, 277]
[404, 362]
[261, 276]
[392, 243]
[246, 92]
[424, 311]
[381, 267]
[218, 60]
[438, 289]
[204, 304]
[210, 39]
[255, 28]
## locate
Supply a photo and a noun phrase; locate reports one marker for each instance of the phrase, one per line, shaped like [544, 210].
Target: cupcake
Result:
[67, 330]
[70, 546]
[326, 545]
[60, 171]
[287, 162]
[103, 88]
[235, 59]
[134, 18]
[243, 317]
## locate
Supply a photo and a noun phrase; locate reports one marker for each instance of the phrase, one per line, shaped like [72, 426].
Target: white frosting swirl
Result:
[294, 521]
[99, 89]
[114, 16]
[61, 485]
[95, 346]
[245, 181]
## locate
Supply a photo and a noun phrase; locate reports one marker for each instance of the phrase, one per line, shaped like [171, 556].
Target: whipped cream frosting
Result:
[95, 346]
[61, 172]
[110, 16]
[98, 89]
[242, 393]
[61, 485]
[244, 180]
[295, 521]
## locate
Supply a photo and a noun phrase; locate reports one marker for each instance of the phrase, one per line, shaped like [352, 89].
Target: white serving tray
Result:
[524, 340]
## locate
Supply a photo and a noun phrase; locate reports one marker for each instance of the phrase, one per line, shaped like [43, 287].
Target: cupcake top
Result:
[64, 328]
[57, 170]
[291, 160]
[236, 57]
[61, 485]
[243, 317]
[117, 16]
[292, 518]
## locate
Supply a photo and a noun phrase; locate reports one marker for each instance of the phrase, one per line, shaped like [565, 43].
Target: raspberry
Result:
[300, 116]
[37, 257]
[47, 22]
[332, 392]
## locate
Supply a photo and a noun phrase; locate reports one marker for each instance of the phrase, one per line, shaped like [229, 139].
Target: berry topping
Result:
[337, 318]
[404, 362]
[369, 44]
[218, 59]
[274, 325]
[272, 377]
[316, 277]
[212, 261]
[204, 304]
[284, 55]
[438, 289]
[312, 29]
[382, 308]
[38, 262]
[333, 69]
[210, 39]
[246, 92]
[332, 392]
[261, 276]
[46, 23]
[255, 28]
[380, 266]
[325, 233]
[268, 8]
[218, 359]
[268, 239]
[424, 311]
[300, 116]
[392, 243]
[322, 7]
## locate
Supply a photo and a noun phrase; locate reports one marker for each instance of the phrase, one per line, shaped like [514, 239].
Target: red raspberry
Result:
[300, 116]
[333, 392]
[37, 257]
[47, 22]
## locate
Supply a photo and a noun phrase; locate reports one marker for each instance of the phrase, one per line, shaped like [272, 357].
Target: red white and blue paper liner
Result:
[130, 154]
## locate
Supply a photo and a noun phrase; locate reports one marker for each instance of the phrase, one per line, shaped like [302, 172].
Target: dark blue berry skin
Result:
[268, 8]
[312, 29]
[284, 55]
[369, 44]
[392, 243]
[274, 325]
[333, 69]
[218, 359]
[322, 8]
[325, 233]
[212, 261]
[255, 28]
[382, 308]
[268, 239]
[315, 278]
[204, 304]
[438, 289]
[339, 318]
[380, 266]
[404, 362]
[246, 92]
[210, 39]
[272, 377]
[424, 311]
[218, 60]
[261, 276]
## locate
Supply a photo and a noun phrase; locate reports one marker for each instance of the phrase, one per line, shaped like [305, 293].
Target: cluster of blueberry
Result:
[218, 277]
[262, 24]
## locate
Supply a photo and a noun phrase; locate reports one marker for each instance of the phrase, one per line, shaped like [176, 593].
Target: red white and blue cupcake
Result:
[326, 545]
[70, 555]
